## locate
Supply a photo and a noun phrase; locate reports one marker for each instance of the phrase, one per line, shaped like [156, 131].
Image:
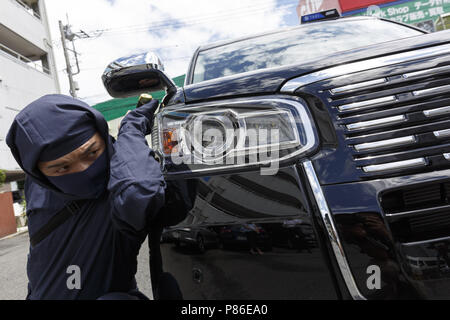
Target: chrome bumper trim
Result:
[332, 232]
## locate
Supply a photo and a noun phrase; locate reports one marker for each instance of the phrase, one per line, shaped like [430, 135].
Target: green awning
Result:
[116, 108]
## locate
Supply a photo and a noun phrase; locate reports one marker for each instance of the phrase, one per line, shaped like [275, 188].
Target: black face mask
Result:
[88, 184]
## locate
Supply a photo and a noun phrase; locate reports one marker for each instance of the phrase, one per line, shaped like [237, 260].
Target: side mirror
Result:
[136, 74]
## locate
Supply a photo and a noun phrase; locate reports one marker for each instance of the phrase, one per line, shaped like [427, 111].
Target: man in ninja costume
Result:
[91, 200]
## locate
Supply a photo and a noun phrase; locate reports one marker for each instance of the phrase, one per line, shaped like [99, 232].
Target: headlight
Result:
[234, 134]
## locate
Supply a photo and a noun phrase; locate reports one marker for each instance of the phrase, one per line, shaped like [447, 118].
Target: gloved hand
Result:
[141, 118]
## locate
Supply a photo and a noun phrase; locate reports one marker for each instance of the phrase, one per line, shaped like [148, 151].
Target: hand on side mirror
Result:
[136, 74]
[143, 99]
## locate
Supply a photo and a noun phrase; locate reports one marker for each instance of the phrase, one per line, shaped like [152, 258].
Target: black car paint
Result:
[383, 249]
[231, 271]
[290, 273]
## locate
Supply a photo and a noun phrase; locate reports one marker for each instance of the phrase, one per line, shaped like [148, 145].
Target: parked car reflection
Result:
[293, 234]
[199, 238]
[248, 236]
[428, 261]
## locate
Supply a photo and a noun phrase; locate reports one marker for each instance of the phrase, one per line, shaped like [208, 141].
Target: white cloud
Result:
[174, 29]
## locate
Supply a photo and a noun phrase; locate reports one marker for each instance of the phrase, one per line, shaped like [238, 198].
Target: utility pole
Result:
[73, 87]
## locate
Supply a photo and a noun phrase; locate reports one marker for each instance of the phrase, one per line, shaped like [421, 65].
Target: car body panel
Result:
[298, 256]
[232, 271]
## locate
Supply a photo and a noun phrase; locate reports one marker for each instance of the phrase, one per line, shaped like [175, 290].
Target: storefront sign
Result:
[422, 13]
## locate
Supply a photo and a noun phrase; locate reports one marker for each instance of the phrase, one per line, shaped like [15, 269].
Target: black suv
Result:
[321, 156]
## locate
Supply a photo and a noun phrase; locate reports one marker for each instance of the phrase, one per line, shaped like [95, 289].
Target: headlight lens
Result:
[233, 134]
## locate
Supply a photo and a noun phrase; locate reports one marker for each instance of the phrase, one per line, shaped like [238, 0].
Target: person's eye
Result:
[93, 153]
[63, 169]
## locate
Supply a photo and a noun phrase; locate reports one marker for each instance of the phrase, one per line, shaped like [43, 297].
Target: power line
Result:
[167, 24]
[177, 23]
[171, 59]
[261, 6]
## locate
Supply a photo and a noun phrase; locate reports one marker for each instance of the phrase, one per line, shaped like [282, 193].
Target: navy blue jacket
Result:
[103, 239]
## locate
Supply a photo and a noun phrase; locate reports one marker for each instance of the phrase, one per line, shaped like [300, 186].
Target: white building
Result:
[27, 67]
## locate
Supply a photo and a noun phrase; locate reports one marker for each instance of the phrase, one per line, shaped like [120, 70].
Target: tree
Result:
[2, 177]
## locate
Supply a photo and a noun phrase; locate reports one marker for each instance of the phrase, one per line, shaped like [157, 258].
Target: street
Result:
[13, 276]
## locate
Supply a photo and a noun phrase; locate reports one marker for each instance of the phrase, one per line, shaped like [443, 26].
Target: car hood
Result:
[269, 81]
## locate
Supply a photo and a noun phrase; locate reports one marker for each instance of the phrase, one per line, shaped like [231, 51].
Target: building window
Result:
[39, 63]
[31, 6]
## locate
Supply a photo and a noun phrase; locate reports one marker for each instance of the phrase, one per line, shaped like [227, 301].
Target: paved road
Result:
[13, 276]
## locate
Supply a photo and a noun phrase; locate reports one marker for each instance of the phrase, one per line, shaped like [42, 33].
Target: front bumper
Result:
[364, 236]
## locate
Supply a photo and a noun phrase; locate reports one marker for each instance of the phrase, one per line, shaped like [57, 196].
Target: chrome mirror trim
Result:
[332, 232]
[146, 58]
[136, 74]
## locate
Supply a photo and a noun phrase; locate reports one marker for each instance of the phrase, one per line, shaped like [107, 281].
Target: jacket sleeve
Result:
[136, 182]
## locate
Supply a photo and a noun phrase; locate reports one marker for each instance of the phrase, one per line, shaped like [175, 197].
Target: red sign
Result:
[350, 5]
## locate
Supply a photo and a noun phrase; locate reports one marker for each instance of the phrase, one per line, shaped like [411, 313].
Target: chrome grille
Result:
[395, 122]
[418, 212]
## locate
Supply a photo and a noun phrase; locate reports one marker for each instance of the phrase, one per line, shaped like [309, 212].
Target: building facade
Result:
[27, 68]
[431, 15]
[27, 72]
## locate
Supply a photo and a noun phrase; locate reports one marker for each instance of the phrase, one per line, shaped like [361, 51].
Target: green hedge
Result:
[2, 177]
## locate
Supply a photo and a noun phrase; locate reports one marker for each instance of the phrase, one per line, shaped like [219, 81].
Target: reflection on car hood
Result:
[269, 81]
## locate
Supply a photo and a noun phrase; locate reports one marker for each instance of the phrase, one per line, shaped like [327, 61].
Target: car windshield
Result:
[295, 46]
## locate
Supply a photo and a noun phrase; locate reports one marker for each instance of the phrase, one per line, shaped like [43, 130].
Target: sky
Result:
[173, 29]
